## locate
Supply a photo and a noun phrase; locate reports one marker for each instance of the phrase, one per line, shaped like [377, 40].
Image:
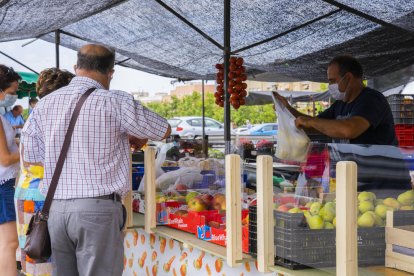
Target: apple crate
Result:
[399, 238]
[187, 222]
[213, 229]
[164, 209]
[298, 247]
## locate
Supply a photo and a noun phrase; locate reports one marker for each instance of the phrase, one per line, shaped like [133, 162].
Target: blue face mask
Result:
[9, 100]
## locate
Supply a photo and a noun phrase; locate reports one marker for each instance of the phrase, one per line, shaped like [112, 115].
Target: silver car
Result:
[191, 127]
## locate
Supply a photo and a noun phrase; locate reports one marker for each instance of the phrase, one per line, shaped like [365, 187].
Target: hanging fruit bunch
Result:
[237, 86]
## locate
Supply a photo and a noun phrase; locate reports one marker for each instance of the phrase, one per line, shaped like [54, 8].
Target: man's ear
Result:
[75, 68]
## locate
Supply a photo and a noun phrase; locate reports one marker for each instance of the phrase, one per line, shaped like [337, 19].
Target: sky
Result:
[41, 54]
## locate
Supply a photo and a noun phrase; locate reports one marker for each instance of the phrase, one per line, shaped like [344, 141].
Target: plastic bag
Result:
[162, 150]
[292, 143]
[187, 176]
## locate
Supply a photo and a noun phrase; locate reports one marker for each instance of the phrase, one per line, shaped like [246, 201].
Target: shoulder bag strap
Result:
[63, 153]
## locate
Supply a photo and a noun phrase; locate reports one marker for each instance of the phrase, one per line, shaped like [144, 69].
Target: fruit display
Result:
[371, 211]
[236, 86]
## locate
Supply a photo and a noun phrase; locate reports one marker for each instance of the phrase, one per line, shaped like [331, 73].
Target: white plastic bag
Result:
[292, 143]
[187, 176]
[162, 150]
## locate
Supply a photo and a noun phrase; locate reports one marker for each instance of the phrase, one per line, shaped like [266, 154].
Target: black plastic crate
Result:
[253, 230]
[402, 108]
[298, 247]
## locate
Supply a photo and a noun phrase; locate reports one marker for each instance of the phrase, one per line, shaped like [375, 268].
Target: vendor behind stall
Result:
[360, 115]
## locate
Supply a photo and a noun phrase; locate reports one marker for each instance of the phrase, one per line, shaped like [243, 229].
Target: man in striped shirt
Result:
[86, 215]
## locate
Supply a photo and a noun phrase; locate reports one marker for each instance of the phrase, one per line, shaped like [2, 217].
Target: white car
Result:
[191, 127]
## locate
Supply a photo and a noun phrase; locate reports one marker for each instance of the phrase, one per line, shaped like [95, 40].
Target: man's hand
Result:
[137, 143]
[281, 99]
[303, 122]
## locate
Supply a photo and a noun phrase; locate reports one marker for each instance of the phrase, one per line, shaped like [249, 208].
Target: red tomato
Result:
[239, 61]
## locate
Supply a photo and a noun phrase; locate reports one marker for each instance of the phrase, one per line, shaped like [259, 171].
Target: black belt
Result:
[112, 196]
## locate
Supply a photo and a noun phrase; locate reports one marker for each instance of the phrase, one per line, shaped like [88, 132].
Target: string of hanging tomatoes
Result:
[237, 86]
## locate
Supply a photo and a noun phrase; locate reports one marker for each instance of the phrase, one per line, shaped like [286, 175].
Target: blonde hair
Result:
[52, 79]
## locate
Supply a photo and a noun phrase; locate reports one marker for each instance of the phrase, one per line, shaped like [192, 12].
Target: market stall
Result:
[280, 41]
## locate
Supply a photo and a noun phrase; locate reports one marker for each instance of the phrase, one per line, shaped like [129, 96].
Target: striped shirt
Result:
[98, 160]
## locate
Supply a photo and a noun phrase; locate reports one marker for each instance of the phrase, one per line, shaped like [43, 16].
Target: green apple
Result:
[392, 202]
[378, 220]
[295, 210]
[366, 220]
[329, 225]
[327, 213]
[406, 198]
[381, 211]
[407, 208]
[315, 208]
[316, 222]
[366, 196]
[365, 206]
[190, 196]
[334, 222]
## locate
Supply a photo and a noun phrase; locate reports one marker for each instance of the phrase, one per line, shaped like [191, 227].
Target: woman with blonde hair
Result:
[28, 197]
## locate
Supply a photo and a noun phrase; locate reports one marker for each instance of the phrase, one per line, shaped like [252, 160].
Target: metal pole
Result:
[18, 62]
[57, 43]
[203, 108]
[226, 56]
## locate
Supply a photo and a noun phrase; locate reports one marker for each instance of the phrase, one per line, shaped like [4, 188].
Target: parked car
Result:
[191, 127]
[262, 129]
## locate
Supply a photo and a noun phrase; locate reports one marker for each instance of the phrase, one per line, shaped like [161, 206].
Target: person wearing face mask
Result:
[86, 217]
[360, 115]
[9, 167]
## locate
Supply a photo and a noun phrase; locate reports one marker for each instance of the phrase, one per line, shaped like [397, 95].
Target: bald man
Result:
[86, 218]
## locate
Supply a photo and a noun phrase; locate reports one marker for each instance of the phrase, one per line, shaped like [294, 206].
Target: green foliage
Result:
[192, 106]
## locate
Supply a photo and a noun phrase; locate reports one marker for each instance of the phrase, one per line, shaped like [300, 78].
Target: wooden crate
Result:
[403, 237]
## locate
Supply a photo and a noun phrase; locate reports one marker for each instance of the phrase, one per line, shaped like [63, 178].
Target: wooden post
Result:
[265, 226]
[233, 209]
[128, 199]
[150, 189]
[346, 219]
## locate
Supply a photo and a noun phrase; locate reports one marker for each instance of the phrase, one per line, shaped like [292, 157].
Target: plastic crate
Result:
[137, 175]
[405, 134]
[298, 247]
[402, 108]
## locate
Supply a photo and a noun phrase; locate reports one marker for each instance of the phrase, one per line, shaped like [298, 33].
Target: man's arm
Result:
[141, 123]
[339, 129]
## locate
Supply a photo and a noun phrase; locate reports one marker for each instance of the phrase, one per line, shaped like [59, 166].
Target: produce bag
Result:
[292, 143]
[161, 155]
[187, 176]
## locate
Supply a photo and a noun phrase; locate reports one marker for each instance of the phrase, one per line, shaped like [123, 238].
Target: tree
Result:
[192, 106]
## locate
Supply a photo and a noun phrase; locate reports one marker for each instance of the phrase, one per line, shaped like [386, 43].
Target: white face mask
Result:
[334, 91]
[9, 100]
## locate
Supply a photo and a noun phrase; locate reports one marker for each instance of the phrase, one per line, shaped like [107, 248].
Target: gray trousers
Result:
[86, 237]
